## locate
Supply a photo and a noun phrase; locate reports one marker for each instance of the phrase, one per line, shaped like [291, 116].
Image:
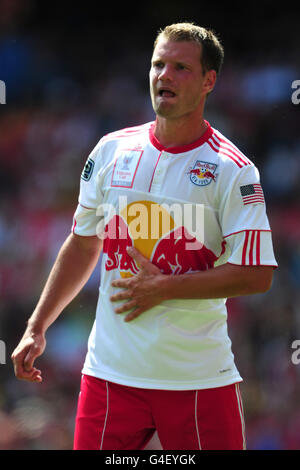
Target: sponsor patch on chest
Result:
[125, 168]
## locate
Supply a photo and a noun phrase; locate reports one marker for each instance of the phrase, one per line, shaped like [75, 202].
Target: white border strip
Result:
[240, 405]
[104, 426]
[197, 430]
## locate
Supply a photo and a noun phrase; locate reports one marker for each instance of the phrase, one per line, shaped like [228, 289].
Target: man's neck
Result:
[178, 132]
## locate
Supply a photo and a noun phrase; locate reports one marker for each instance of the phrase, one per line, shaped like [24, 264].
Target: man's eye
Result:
[180, 66]
[158, 65]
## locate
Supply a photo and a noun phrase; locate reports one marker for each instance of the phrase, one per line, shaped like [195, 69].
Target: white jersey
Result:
[143, 190]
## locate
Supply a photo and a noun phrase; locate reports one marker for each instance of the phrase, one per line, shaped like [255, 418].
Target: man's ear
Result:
[209, 81]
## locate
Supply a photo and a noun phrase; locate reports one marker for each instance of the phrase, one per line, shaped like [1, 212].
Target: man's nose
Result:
[166, 73]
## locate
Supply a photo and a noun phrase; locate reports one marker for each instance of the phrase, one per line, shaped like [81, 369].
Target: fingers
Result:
[30, 357]
[143, 262]
[34, 375]
[134, 314]
[123, 295]
[137, 256]
[23, 359]
[22, 373]
[120, 283]
[127, 306]
[136, 289]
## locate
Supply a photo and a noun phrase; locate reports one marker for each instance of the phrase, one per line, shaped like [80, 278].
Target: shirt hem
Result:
[163, 385]
[250, 265]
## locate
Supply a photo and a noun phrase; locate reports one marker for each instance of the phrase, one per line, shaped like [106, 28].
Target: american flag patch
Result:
[252, 194]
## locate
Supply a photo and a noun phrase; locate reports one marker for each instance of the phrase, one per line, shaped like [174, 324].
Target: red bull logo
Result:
[116, 241]
[168, 245]
[172, 257]
[202, 173]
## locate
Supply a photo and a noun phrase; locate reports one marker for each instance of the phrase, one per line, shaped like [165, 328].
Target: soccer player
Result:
[159, 355]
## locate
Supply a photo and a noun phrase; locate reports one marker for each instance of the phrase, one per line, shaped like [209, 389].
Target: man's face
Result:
[177, 83]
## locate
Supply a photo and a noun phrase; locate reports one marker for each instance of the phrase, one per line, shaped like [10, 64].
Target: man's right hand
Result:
[73, 266]
[30, 347]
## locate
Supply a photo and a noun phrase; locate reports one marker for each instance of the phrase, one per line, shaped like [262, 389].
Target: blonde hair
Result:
[212, 50]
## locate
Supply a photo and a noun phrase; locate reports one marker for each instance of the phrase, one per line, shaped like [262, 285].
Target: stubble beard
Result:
[166, 110]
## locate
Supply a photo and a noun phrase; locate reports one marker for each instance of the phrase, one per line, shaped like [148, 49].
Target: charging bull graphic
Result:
[171, 248]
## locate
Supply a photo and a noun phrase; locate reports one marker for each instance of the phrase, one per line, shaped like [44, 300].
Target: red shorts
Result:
[119, 417]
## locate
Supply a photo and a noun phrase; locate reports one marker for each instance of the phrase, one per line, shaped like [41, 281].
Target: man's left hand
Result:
[142, 291]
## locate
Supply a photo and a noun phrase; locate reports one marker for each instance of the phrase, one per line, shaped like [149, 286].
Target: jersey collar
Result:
[181, 148]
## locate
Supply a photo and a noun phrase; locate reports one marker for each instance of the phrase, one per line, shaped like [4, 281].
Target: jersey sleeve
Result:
[86, 218]
[244, 221]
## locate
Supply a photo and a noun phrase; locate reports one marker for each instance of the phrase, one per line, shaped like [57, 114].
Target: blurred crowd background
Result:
[76, 71]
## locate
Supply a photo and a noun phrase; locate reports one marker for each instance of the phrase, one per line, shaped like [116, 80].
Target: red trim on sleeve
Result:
[251, 247]
[274, 266]
[245, 230]
[245, 247]
[258, 247]
[227, 145]
[221, 151]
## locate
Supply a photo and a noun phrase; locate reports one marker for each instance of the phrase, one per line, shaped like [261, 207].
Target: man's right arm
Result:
[74, 265]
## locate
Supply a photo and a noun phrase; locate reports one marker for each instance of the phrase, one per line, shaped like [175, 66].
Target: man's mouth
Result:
[166, 93]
